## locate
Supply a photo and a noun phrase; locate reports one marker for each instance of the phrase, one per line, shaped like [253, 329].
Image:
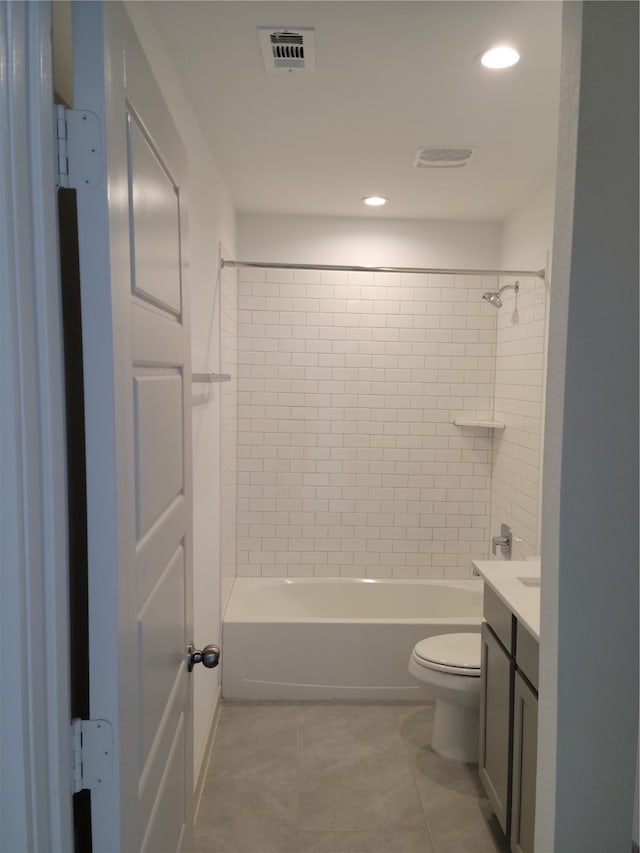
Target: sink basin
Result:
[530, 581]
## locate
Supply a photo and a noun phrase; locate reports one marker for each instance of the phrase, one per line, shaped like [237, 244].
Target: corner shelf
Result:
[474, 422]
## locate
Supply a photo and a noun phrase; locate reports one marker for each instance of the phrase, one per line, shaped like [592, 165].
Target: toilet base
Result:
[455, 732]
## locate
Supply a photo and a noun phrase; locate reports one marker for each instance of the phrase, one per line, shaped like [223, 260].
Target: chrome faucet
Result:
[503, 541]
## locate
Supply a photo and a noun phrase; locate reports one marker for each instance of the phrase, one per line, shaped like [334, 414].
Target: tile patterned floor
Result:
[338, 778]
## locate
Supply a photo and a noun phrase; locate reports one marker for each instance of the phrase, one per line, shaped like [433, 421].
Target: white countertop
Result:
[523, 601]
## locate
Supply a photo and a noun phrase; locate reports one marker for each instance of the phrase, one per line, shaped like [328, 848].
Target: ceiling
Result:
[391, 76]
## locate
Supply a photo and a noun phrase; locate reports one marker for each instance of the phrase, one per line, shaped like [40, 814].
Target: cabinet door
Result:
[525, 744]
[496, 703]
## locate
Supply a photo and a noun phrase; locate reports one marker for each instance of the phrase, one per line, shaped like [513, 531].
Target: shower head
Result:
[493, 296]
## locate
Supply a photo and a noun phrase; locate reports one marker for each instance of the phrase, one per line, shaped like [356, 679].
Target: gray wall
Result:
[589, 691]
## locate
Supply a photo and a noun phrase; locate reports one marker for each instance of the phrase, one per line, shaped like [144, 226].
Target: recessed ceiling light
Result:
[500, 57]
[375, 200]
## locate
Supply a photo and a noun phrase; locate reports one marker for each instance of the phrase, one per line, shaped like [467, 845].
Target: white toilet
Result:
[448, 666]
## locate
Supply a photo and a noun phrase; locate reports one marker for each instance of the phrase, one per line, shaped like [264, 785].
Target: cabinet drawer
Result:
[527, 653]
[500, 618]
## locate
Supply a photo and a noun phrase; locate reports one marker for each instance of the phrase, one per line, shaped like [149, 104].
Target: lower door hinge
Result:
[91, 753]
[78, 148]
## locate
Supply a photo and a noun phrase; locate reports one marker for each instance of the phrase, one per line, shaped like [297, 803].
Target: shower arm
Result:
[407, 270]
[515, 287]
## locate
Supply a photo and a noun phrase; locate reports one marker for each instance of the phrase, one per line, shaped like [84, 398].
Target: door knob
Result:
[209, 656]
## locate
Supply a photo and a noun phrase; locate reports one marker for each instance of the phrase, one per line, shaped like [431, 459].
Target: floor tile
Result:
[352, 767]
[374, 805]
[435, 775]
[333, 729]
[412, 841]
[273, 758]
[416, 841]
[257, 743]
[246, 817]
[455, 806]
[338, 778]
[461, 823]
[416, 726]
[323, 842]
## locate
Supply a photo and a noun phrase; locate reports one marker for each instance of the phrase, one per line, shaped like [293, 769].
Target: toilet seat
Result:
[456, 654]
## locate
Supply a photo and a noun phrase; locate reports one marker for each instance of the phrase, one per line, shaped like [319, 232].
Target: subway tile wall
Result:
[519, 391]
[348, 461]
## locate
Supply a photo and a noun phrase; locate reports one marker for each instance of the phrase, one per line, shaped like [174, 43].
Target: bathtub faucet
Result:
[503, 541]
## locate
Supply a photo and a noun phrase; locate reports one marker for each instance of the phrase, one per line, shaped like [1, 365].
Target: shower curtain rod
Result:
[349, 268]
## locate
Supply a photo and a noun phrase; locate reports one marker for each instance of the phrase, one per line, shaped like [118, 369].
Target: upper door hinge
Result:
[91, 753]
[78, 148]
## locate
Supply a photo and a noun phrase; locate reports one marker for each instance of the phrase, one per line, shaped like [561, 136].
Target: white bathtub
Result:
[327, 638]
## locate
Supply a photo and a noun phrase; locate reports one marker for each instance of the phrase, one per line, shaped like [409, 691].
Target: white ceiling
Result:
[391, 76]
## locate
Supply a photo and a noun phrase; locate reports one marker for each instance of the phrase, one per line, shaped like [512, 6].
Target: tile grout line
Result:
[415, 785]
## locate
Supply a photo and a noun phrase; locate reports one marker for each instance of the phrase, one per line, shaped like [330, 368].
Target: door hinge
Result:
[91, 753]
[78, 148]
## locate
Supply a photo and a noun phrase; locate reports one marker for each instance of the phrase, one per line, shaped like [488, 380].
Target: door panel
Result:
[158, 436]
[151, 780]
[155, 223]
[161, 627]
[137, 403]
[154, 547]
[163, 830]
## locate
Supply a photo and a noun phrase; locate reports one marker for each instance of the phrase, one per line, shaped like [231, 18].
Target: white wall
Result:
[211, 219]
[520, 375]
[349, 463]
[527, 233]
[368, 241]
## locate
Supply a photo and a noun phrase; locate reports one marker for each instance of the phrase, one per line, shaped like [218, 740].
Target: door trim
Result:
[34, 664]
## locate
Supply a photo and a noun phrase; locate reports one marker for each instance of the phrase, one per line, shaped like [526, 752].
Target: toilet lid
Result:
[459, 653]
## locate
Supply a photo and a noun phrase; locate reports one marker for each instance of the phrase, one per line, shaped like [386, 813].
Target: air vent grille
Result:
[442, 157]
[287, 49]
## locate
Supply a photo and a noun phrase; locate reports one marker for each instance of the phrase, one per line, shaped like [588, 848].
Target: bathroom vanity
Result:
[509, 695]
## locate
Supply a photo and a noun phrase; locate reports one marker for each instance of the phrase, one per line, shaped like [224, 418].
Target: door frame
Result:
[35, 772]
[34, 731]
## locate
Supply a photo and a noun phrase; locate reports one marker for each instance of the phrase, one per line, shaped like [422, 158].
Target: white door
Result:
[137, 405]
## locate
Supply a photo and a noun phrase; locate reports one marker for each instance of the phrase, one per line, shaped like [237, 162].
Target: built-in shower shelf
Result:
[474, 422]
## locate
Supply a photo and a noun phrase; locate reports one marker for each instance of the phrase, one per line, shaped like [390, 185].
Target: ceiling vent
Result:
[441, 157]
[288, 49]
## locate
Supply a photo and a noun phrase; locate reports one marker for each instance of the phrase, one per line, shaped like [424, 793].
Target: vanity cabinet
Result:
[509, 721]
[498, 668]
[525, 745]
[496, 725]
